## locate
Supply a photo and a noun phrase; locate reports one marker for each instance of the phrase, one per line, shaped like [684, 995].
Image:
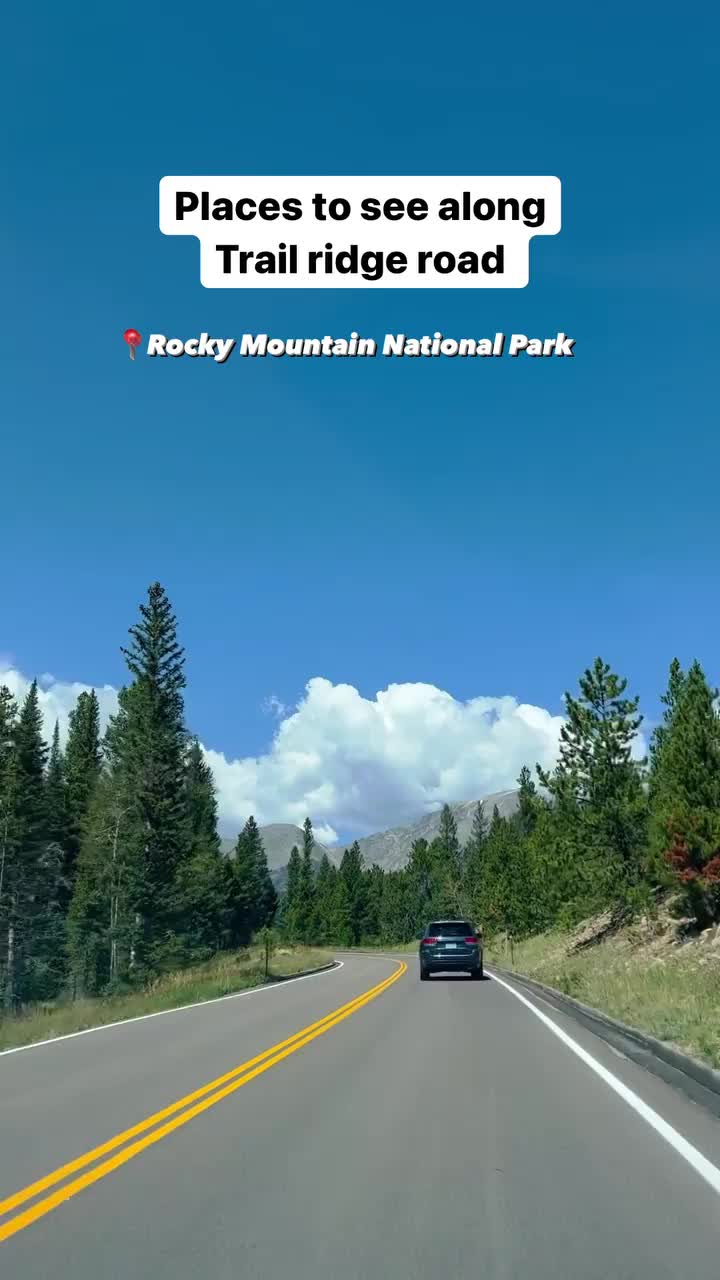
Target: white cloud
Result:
[57, 697]
[356, 764]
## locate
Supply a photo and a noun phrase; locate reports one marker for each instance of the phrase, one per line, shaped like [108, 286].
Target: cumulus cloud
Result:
[357, 764]
[58, 697]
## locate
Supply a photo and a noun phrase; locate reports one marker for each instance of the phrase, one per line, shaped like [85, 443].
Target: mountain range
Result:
[389, 849]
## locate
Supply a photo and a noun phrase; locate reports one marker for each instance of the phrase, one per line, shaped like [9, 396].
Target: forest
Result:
[111, 870]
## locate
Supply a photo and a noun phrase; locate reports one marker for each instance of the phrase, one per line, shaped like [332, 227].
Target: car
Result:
[451, 946]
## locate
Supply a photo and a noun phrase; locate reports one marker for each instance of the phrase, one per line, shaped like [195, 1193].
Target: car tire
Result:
[424, 975]
[478, 974]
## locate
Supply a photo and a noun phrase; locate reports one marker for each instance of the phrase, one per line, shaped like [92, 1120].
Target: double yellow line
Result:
[174, 1117]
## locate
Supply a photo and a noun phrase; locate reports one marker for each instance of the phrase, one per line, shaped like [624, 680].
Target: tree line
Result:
[601, 829]
[111, 868]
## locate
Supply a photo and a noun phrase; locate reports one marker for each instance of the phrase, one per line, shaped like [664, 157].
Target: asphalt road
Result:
[437, 1129]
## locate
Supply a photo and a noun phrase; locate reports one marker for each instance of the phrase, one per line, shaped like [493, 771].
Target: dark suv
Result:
[451, 944]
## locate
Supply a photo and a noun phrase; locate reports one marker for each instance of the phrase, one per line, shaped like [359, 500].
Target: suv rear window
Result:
[453, 929]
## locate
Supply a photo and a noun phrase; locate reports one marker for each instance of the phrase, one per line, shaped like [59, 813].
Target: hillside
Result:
[391, 849]
[658, 972]
[278, 839]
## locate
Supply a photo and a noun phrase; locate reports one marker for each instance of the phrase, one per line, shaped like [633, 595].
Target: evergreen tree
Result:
[291, 913]
[306, 886]
[33, 967]
[448, 861]
[83, 758]
[323, 905]
[670, 700]
[201, 800]
[205, 883]
[351, 874]
[597, 787]
[56, 797]
[255, 897]
[373, 892]
[101, 918]
[146, 744]
[339, 923]
[9, 845]
[686, 798]
[527, 814]
[473, 860]
[422, 884]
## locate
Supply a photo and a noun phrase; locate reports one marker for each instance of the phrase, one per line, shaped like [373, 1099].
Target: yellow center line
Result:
[238, 1077]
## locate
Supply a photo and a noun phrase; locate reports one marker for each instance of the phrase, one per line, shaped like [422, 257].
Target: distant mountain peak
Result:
[389, 849]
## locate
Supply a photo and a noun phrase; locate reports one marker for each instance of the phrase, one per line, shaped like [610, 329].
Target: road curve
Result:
[427, 1129]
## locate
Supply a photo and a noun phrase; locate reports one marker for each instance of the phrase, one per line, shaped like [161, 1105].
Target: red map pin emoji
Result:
[133, 339]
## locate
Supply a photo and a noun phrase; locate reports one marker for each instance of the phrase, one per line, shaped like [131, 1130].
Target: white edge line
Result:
[694, 1158]
[181, 1008]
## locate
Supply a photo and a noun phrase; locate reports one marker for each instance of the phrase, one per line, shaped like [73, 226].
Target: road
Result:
[435, 1129]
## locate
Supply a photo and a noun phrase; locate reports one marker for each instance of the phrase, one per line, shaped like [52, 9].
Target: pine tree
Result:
[32, 968]
[374, 891]
[306, 886]
[670, 700]
[597, 788]
[422, 884]
[324, 889]
[200, 800]
[83, 758]
[146, 745]
[686, 797]
[449, 863]
[255, 898]
[527, 814]
[102, 916]
[351, 873]
[9, 845]
[473, 863]
[205, 883]
[339, 924]
[290, 907]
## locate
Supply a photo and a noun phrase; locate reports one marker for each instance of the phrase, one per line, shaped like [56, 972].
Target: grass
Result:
[227, 973]
[673, 995]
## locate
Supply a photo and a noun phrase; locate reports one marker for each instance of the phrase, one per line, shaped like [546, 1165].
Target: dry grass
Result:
[229, 972]
[640, 976]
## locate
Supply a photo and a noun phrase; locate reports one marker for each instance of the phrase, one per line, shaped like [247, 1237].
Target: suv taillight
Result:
[428, 942]
[471, 939]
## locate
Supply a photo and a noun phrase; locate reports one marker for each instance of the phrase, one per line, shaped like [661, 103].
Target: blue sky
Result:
[486, 527]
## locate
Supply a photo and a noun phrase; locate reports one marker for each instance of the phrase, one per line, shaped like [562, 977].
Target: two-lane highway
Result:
[352, 1124]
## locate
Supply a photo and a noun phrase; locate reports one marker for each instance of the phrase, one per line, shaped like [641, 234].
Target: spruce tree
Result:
[527, 813]
[33, 961]
[670, 700]
[102, 924]
[473, 858]
[448, 863]
[422, 884]
[83, 759]
[205, 885]
[56, 792]
[324, 886]
[146, 744]
[597, 788]
[290, 907]
[686, 798]
[255, 897]
[306, 886]
[9, 846]
[351, 873]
